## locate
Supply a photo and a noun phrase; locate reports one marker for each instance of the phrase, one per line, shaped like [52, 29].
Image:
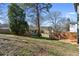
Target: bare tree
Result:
[59, 23]
[36, 10]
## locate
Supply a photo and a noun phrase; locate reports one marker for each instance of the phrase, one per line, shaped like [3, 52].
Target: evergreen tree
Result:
[17, 23]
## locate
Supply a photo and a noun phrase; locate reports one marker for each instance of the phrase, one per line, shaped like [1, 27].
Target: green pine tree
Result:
[17, 23]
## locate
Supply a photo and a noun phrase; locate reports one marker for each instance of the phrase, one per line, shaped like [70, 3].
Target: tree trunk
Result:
[78, 28]
[38, 20]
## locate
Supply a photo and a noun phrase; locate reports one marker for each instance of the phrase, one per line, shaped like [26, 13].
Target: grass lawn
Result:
[12, 45]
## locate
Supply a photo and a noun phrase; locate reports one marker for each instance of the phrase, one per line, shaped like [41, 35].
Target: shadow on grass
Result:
[44, 38]
[36, 37]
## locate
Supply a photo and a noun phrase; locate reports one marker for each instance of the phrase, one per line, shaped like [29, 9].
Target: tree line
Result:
[36, 13]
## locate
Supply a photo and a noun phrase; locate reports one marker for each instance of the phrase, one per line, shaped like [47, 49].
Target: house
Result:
[73, 27]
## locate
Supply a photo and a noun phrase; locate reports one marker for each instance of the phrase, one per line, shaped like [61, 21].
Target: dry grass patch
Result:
[12, 45]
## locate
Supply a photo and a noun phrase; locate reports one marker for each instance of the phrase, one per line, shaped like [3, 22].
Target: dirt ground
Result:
[12, 45]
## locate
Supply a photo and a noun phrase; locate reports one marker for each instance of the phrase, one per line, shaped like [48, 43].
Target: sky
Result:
[67, 10]
[3, 15]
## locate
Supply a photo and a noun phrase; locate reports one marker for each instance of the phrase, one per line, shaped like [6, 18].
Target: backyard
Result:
[36, 29]
[12, 45]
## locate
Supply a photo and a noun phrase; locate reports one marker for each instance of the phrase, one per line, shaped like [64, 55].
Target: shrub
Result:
[63, 35]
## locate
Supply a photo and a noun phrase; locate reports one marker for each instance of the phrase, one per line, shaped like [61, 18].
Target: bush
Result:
[63, 35]
[54, 36]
